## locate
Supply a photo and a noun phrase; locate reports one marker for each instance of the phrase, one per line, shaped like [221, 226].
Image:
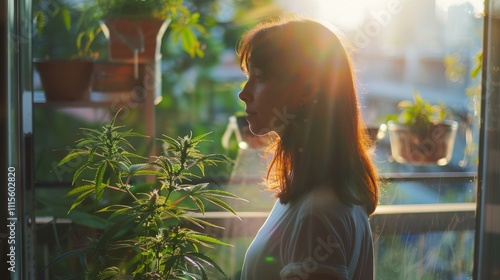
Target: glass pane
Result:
[424, 226]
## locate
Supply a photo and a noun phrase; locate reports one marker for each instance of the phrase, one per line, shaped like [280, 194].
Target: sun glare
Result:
[445, 4]
[343, 13]
[350, 14]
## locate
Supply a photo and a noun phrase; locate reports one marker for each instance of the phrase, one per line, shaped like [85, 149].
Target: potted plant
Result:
[63, 46]
[421, 134]
[135, 28]
[151, 231]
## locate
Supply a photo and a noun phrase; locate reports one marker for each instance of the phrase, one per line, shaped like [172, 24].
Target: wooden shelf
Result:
[95, 99]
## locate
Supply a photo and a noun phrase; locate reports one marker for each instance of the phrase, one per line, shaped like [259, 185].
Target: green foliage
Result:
[184, 25]
[80, 24]
[478, 64]
[419, 113]
[139, 9]
[65, 23]
[154, 228]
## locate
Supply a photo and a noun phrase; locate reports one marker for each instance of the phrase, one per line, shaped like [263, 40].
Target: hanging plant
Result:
[421, 133]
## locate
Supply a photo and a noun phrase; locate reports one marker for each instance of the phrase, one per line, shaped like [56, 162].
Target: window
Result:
[424, 226]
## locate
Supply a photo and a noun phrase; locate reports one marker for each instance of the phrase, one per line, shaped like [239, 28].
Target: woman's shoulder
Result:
[320, 198]
[323, 202]
[322, 213]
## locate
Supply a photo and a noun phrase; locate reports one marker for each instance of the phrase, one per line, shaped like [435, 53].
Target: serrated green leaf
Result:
[219, 203]
[90, 132]
[114, 207]
[148, 172]
[79, 171]
[206, 238]
[199, 138]
[80, 189]
[130, 133]
[222, 193]
[171, 142]
[138, 166]
[80, 199]
[198, 266]
[70, 156]
[99, 191]
[194, 188]
[129, 154]
[85, 142]
[206, 259]
[200, 222]
[92, 153]
[199, 203]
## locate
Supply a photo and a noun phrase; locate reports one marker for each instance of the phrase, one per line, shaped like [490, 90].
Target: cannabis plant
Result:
[152, 234]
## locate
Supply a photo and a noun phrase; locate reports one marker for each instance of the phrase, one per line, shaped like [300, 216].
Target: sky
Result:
[350, 13]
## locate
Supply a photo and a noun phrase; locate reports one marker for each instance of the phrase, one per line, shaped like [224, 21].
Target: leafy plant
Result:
[59, 17]
[419, 112]
[139, 9]
[153, 226]
[185, 26]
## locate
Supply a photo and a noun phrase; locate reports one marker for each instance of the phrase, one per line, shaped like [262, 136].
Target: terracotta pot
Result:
[127, 36]
[117, 76]
[65, 80]
[432, 146]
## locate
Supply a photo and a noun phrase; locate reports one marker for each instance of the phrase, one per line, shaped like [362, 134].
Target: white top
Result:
[317, 234]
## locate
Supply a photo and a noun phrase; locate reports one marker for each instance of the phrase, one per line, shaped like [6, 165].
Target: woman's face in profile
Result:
[270, 100]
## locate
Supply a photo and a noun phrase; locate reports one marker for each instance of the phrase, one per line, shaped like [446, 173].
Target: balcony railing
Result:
[413, 234]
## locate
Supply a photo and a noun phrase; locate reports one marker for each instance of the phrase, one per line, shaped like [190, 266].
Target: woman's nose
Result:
[243, 95]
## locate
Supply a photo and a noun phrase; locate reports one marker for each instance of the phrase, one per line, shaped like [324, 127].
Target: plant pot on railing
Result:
[65, 80]
[134, 40]
[422, 145]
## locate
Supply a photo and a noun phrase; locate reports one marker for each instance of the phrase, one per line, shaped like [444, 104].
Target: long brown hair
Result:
[325, 143]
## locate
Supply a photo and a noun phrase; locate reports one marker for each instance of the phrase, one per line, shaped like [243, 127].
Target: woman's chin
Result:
[259, 131]
[266, 133]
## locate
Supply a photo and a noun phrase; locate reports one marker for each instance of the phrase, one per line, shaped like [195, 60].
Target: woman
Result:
[301, 87]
